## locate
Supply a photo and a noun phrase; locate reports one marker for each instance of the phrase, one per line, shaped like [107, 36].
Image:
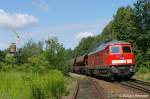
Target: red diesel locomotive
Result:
[110, 59]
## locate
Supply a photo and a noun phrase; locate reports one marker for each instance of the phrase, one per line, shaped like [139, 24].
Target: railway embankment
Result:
[142, 76]
[72, 85]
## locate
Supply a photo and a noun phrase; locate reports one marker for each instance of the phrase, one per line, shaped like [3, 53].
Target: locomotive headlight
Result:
[114, 69]
[129, 60]
[132, 69]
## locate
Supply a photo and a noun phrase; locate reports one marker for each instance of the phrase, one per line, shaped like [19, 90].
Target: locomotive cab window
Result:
[126, 49]
[115, 49]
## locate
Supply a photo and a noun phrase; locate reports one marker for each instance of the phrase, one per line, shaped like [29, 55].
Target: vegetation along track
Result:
[88, 88]
[137, 84]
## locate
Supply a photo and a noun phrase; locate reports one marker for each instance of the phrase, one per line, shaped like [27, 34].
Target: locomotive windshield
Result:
[126, 49]
[115, 49]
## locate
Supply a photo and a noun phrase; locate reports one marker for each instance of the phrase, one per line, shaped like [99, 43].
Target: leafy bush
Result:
[39, 63]
[143, 70]
[143, 61]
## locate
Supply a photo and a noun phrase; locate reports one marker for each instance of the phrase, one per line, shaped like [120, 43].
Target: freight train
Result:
[111, 59]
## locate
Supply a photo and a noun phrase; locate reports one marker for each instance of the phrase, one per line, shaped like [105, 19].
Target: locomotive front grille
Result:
[127, 69]
[121, 69]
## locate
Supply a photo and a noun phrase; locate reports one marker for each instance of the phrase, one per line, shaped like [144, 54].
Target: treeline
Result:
[38, 57]
[131, 24]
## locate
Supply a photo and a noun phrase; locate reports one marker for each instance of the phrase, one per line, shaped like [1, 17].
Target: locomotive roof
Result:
[103, 45]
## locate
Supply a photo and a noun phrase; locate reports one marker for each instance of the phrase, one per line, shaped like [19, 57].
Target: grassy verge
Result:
[143, 74]
[18, 85]
[71, 82]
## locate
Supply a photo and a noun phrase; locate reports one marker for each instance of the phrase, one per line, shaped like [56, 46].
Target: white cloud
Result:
[84, 35]
[16, 20]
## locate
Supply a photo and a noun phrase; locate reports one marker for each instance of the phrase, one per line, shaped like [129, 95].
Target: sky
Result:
[68, 20]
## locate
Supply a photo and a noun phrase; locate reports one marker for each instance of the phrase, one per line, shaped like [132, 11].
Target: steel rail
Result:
[142, 82]
[76, 90]
[135, 85]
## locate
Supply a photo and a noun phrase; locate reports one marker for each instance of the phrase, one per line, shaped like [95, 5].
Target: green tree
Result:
[2, 55]
[56, 55]
[142, 13]
[124, 25]
[84, 46]
[31, 48]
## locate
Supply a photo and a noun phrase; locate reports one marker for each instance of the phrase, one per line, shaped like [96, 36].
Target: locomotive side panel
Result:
[91, 62]
[99, 59]
[106, 57]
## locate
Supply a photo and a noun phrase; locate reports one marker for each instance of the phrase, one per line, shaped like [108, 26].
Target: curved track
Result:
[138, 85]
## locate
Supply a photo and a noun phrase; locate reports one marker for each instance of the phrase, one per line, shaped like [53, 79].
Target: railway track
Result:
[88, 89]
[138, 85]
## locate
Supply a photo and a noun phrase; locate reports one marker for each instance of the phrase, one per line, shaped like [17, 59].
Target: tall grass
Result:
[18, 85]
[53, 82]
[12, 86]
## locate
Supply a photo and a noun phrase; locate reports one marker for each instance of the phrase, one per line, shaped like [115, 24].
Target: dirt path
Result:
[87, 90]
